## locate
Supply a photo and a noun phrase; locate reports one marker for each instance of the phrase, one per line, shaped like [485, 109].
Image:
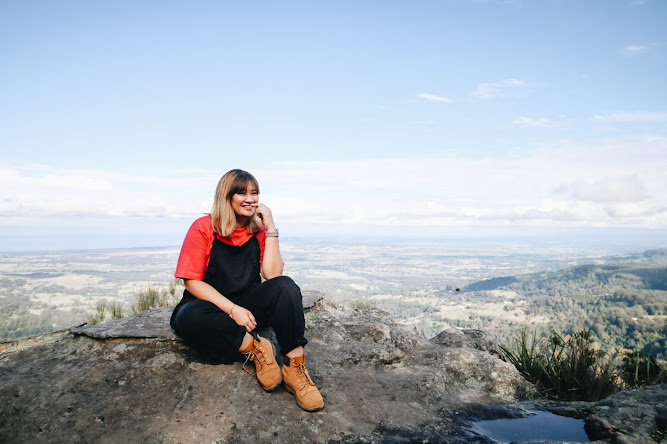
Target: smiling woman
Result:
[224, 301]
[236, 196]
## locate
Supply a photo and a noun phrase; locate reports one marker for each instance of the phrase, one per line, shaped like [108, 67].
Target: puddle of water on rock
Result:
[541, 426]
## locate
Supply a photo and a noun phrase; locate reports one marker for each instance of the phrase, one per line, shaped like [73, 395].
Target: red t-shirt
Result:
[196, 249]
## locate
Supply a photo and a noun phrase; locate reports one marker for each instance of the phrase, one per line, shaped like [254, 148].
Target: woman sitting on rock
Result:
[224, 301]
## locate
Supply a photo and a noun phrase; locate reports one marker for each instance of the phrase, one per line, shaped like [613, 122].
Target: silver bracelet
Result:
[272, 234]
[232, 311]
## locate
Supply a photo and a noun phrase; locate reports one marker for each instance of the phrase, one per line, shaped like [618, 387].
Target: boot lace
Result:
[301, 372]
[258, 355]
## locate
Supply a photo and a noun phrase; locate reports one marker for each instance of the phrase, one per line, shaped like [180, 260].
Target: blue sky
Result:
[421, 118]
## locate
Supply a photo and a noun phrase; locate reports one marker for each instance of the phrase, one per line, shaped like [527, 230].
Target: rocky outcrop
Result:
[631, 417]
[382, 382]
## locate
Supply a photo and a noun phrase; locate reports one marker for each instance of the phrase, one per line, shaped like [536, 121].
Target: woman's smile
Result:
[244, 203]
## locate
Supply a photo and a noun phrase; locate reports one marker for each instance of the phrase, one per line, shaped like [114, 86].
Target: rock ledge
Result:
[382, 382]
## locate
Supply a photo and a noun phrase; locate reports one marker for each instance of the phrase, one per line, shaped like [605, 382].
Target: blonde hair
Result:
[222, 214]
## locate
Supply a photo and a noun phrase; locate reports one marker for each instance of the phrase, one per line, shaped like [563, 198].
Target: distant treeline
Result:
[625, 306]
[491, 284]
[583, 279]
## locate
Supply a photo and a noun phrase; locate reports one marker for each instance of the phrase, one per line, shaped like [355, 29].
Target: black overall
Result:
[234, 272]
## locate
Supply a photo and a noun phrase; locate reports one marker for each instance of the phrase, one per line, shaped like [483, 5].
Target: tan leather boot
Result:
[260, 351]
[297, 381]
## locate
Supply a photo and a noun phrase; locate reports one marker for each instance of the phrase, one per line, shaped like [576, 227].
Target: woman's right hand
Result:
[244, 318]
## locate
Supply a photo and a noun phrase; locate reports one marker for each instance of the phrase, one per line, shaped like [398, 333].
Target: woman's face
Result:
[244, 203]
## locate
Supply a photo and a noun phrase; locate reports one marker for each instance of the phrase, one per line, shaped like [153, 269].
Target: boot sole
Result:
[308, 409]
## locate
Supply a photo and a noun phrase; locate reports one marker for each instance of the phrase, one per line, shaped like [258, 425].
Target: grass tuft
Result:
[154, 296]
[106, 311]
[150, 296]
[640, 370]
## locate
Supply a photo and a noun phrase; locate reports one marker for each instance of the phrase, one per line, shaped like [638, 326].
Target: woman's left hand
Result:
[263, 213]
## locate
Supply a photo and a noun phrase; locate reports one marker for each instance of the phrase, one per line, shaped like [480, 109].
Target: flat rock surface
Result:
[631, 416]
[381, 381]
[148, 324]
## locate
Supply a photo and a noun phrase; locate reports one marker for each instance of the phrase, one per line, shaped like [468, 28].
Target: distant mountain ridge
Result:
[656, 256]
[643, 271]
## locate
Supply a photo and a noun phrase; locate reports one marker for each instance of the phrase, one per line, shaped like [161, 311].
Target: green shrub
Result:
[569, 368]
[640, 370]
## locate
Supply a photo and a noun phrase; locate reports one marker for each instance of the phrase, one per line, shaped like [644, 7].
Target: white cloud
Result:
[617, 189]
[564, 185]
[635, 3]
[540, 122]
[453, 190]
[634, 211]
[634, 116]
[39, 191]
[434, 98]
[503, 88]
[633, 50]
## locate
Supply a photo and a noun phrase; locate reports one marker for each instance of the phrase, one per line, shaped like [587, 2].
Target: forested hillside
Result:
[625, 305]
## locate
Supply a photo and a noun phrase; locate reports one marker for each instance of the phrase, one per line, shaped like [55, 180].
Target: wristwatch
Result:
[272, 234]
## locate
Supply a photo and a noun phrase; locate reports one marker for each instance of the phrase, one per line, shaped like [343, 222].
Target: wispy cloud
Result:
[493, 90]
[541, 122]
[635, 3]
[634, 50]
[632, 116]
[615, 189]
[454, 190]
[42, 191]
[434, 98]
